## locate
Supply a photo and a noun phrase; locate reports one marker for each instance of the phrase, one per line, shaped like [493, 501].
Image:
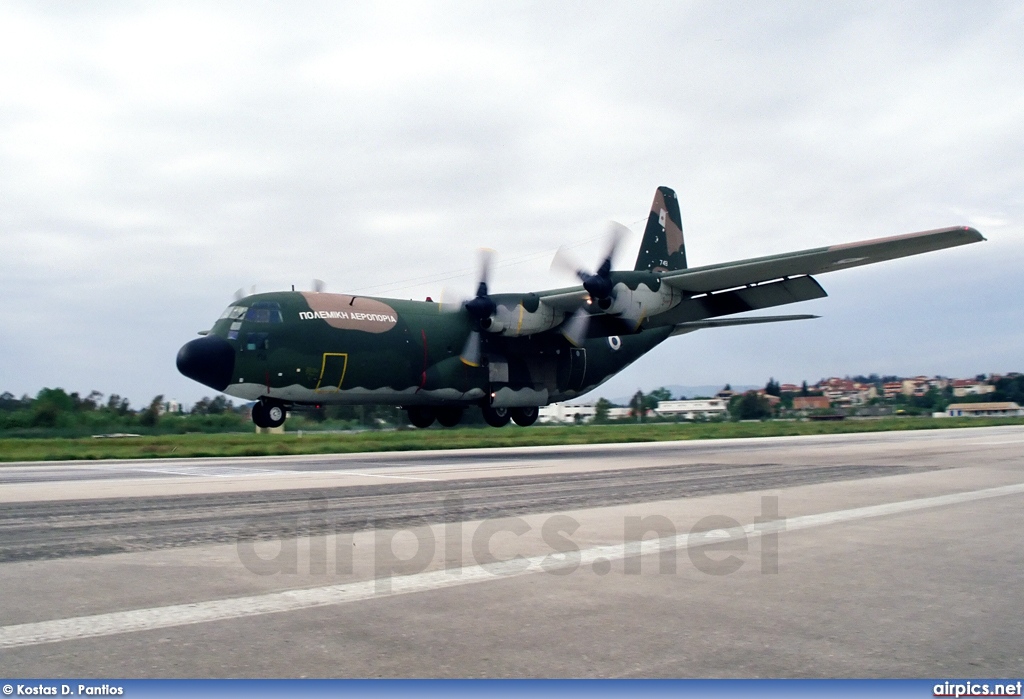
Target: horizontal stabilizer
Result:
[683, 328]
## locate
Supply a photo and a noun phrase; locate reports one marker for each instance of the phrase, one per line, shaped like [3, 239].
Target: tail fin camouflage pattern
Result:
[662, 248]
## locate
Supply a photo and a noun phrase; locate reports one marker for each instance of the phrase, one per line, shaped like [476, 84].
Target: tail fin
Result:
[662, 248]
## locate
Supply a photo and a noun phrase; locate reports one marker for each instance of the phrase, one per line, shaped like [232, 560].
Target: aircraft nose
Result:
[210, 360]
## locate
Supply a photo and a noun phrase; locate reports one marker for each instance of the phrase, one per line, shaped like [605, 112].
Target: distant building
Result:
[846, 392]
[692, 409]
[892, 389]
[811, 403]
[916, 386]
[984, 410]
[171, 406]
[971, 387]
[566, 413]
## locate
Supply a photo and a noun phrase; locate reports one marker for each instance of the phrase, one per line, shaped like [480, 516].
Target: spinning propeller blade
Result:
[471, 352]
[480, 308]
[575, 329]
[598, 284]
[451, 301]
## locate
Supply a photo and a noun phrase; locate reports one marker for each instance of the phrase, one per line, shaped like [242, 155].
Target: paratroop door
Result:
[332, 372]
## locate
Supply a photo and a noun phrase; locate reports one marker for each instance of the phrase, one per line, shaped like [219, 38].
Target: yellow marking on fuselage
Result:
[519, 329]
[323, 369]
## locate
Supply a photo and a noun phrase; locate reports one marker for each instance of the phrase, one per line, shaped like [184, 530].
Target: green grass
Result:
[246, 444]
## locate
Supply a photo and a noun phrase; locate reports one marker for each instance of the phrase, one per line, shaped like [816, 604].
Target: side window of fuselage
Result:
[257, 341]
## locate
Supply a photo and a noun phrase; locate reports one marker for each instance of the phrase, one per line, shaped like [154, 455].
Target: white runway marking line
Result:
[212, 471]
[366, 475]
[240, 472]
[76, 628]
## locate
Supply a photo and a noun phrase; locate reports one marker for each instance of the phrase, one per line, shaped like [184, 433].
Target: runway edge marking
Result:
[112, 623]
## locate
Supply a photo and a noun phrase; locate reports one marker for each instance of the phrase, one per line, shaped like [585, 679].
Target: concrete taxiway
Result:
[894, 554]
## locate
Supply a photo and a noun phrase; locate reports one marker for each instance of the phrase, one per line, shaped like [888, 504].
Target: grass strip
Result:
[250, 444]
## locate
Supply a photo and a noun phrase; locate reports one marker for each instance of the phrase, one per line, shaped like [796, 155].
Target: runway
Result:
[893, 554]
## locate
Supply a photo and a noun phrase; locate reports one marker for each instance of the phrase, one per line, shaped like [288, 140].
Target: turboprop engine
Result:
[515, 316]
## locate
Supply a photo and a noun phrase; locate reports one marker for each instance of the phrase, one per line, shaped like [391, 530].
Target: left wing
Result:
[738, 287]
[565, 300]
[730, 275]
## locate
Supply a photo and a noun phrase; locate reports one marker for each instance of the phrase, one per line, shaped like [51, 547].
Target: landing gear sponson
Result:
[424, 416]
[269, 414]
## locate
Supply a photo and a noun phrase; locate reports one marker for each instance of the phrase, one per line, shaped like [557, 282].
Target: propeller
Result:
[241, 294]
[319, 286]
[480, 308]
[597, 284]
[450, 301]
[575, 329]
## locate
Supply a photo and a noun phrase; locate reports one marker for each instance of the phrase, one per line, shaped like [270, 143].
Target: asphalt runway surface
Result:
[871, 555]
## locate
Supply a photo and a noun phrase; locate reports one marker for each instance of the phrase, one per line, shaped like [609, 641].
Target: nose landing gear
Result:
[268, 415]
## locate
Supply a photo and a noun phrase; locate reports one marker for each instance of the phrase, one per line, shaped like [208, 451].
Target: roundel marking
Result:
[615, 342]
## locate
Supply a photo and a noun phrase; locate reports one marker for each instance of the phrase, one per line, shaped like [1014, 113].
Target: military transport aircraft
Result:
[508, 353]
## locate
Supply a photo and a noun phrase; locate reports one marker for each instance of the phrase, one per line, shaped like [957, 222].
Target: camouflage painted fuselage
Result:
[319, 348]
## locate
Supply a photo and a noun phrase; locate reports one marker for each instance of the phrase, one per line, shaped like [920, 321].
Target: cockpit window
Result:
[264, 312]
[233, 312]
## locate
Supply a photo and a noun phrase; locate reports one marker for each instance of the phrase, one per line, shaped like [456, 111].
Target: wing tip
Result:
[974, 234]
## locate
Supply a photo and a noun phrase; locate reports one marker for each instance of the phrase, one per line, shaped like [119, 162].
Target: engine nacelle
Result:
[516, 320]
[642, 302]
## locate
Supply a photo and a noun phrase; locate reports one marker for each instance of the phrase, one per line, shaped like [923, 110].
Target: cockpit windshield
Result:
[233, 312]
[259, 312]
[264, 312]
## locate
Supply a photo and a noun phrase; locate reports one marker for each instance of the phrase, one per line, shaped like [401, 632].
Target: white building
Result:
[984, 410]
[565, 413]
[971, 387]
[693, 409]
[620, 413]
[171, 406]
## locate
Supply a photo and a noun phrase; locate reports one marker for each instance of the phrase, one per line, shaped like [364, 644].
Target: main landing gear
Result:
[499, 417]
[423, 416]
[268, 415]
[524, 417]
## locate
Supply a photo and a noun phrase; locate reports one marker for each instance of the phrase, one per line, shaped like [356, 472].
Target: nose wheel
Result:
[268, 415]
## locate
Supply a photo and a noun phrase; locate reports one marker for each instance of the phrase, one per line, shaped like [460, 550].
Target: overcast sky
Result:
[155, 157]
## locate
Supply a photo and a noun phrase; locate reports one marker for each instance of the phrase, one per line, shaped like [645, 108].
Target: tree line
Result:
[55, 411]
